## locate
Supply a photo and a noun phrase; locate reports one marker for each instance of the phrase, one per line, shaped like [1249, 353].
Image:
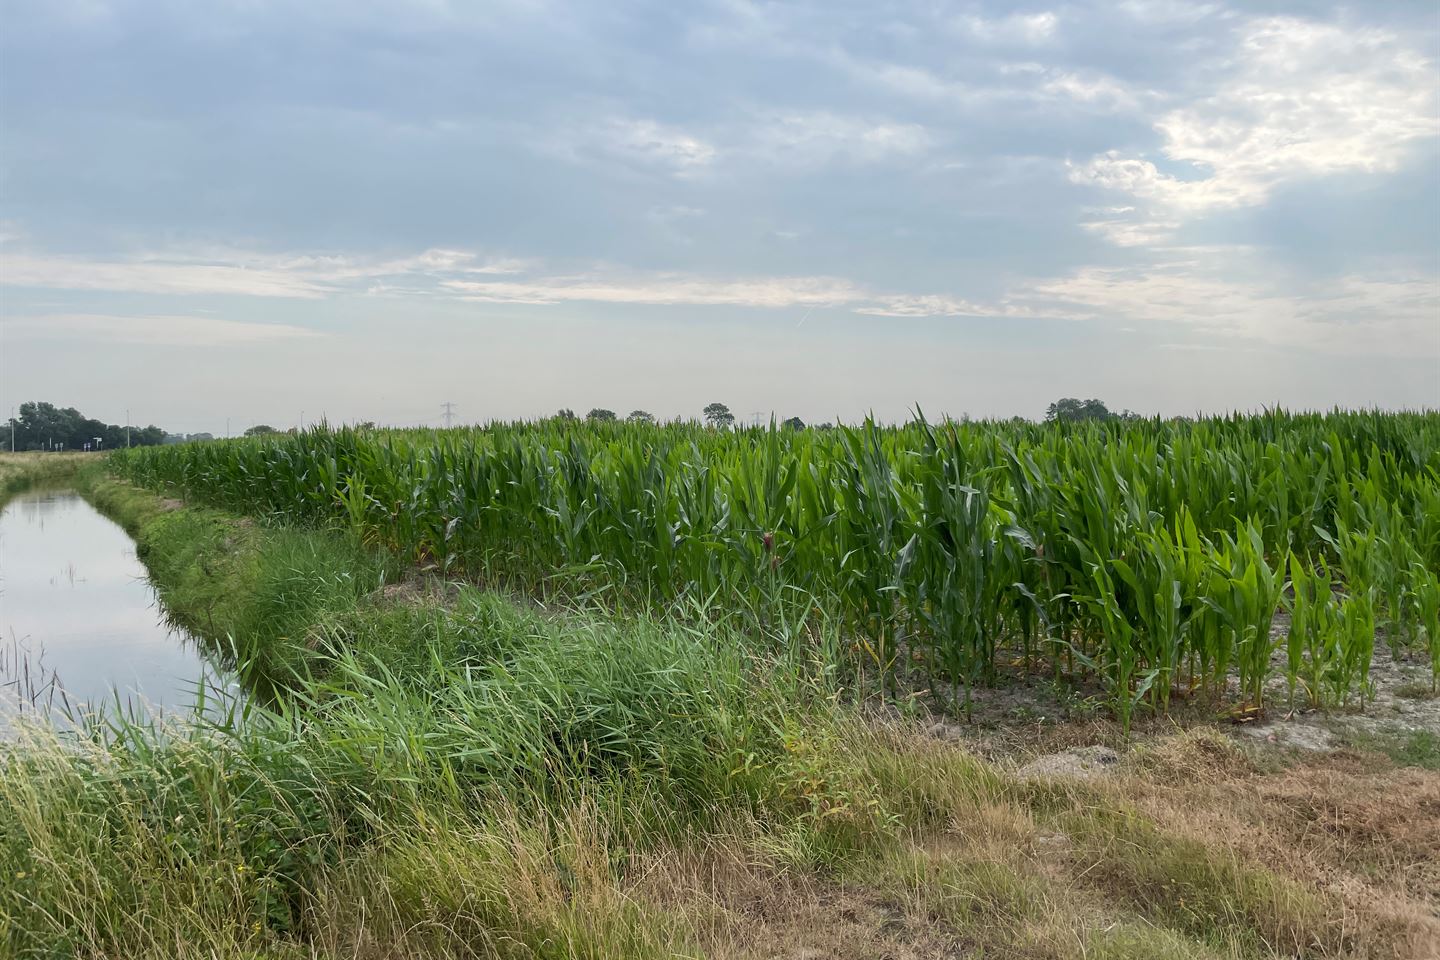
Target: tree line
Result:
[44, 426]
[714, 414]
[1064, 410]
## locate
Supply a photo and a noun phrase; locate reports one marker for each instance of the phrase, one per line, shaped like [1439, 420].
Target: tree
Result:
[1071, 410]
[641, 416]
[565, 413]
[601, 414]
[719, 415]
[259, 430]
[794, 423]
[151, 436]
[44, 426]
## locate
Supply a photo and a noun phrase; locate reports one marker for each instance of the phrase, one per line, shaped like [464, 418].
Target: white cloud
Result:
[1397, 308]
[1125, 227]
[225, 271]
[1012, 82]
[641, 142]
[813, 139]
[142, 276]
[1170, 11]
[914, 82]
[939, 306]
[1027, 28]
[1221, 292]
[1393, 313]
[1090, 88]
[664, 289]
[670, 289]
[791, 138]
[436, 260]
[151, 330]
[1297, 99]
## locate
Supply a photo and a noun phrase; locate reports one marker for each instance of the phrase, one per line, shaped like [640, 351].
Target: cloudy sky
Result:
[248, 210]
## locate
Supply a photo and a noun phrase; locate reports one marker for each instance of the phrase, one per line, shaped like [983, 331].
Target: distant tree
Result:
[718, 415]
[365, 425]
[641, 416]
[44, 426]
[260, 429]
[794, 423]
[600, 414]
[565, 413]
[1071, 410]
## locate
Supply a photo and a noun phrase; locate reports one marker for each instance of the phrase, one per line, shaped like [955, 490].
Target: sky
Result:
[242, 211]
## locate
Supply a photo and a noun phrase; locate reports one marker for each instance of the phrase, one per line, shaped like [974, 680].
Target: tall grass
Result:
[1150, 557]
[592, 792]
[21, 471]
[133, 838]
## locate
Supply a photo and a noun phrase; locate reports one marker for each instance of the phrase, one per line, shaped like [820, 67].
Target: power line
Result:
[449, 412]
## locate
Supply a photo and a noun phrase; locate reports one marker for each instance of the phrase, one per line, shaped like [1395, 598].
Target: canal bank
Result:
[253, 600]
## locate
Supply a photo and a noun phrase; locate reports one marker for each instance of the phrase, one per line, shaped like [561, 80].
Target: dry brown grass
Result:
[1352, 826]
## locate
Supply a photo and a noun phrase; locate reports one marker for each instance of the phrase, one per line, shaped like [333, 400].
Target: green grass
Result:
[21, 471]
[256, 594]
[217, 836]
[1416, 748]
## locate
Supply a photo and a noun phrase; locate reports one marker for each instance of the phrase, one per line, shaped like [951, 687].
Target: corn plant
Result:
[1149, 555]
[1312, 643]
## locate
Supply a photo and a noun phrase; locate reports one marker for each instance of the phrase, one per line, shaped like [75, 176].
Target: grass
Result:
[1416, 690]
[21, 471]
[448, 771]
[255, 593]
[296, 839]
[1415, 748]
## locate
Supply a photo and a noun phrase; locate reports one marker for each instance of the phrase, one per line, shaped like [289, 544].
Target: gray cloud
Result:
[1207, 175]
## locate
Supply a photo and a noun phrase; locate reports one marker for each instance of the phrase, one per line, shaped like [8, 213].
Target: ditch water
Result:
[81, 628]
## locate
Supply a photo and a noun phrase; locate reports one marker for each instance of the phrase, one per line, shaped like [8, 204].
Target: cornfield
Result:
[1151, 556]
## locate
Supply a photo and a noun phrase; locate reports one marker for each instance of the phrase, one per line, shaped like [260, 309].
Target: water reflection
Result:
[80, 626]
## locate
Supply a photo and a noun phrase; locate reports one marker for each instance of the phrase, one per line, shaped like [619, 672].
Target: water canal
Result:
[81, 627]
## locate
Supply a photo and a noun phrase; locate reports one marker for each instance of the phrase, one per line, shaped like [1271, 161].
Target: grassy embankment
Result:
[21, 471]
[453, 773]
